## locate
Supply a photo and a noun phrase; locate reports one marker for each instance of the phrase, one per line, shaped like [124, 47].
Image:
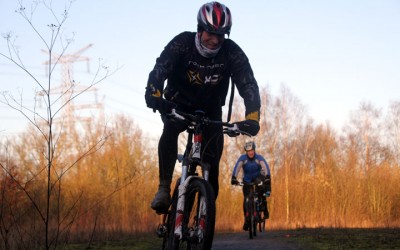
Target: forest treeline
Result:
[104, 175]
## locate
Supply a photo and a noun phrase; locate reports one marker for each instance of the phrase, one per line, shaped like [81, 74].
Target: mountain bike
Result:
[190, 220]
[255, 209]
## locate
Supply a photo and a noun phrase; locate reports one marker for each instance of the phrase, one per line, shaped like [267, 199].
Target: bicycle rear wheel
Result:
[198, 217]
[262, 215]
[261, 223]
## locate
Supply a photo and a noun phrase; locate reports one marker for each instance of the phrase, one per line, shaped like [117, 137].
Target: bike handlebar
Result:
[229, 128]
[249, 183]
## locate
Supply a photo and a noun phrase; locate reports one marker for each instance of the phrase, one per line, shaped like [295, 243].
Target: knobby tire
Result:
[254, 225]
[166, 244]
[261, 215]
[253, 217]
[196, 189]
[261, 223]
[250, 218]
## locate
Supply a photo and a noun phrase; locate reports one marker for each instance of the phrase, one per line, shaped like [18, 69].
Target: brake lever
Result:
[173, 114]
[235, 131]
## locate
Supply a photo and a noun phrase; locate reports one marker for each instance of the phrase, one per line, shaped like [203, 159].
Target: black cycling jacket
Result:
[196, 82]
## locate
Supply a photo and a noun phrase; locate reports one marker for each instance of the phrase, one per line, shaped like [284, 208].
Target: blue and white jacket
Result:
[248, 169]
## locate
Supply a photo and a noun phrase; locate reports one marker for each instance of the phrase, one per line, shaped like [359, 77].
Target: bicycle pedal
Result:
[161, 231]
[195, 236]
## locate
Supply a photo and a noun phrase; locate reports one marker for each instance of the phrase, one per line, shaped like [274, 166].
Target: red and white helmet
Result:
[215, 17]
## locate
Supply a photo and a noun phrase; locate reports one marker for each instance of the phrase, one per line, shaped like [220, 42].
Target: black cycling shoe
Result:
[246, 226]
[266, 215]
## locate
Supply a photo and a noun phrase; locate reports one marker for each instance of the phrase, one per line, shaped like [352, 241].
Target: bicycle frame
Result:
[189, 162]
[203, 228]
[251, 203]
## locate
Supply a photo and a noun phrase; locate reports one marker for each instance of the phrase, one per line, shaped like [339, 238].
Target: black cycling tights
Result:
[212, 147]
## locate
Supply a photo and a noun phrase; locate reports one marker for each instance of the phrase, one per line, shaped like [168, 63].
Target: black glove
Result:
[259, 180]
[153, 97]
[157, 103]
[234, 181]
[152, 102]
[267, 183]
[249, 126]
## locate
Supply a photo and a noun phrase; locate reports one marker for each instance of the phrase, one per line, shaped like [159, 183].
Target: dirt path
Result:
[266, 240]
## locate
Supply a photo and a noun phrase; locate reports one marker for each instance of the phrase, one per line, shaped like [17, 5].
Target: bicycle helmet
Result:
[215, 17]
[249, 146]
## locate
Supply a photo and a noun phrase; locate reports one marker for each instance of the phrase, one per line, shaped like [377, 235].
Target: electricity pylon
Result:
[69, 88]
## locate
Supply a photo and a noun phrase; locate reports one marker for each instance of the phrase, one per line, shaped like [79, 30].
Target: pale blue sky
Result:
[332, 55]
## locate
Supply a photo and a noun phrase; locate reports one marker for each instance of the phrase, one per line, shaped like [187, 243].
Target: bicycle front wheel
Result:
[250, 216]
[198, 217]
[254, 225]
[170, 220]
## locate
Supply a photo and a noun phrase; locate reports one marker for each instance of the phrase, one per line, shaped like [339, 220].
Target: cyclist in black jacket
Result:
[198, 67]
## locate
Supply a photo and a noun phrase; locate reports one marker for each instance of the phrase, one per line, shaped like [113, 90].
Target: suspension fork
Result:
[180, 207]
[194, 148]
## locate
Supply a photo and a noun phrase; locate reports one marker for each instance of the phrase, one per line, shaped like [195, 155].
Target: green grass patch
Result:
[348, 238]
[143, 242]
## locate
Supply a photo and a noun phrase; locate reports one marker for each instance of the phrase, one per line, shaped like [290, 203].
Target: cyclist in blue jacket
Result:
[254, 168]
[198, 67]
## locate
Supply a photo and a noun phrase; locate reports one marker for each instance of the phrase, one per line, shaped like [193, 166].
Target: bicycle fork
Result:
[197, 232]
[185, 180]
[180, 208]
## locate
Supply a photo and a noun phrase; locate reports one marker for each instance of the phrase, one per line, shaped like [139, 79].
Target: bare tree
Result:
[393, 128]
[366, 126]
[51, 123]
